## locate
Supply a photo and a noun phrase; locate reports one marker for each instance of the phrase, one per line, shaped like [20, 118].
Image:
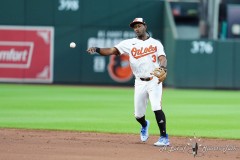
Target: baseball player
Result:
[148, 63]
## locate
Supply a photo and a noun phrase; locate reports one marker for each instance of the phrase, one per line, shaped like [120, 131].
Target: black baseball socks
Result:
[161, 121]
[142, 121]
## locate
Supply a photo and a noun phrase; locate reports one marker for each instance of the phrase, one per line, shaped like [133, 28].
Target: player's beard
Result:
[140, 35]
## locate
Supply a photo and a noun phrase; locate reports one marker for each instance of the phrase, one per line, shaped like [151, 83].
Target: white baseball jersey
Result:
[143, 55]
[143, 60]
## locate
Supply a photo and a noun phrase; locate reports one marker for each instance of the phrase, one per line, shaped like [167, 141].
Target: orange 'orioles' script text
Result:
[138, 53]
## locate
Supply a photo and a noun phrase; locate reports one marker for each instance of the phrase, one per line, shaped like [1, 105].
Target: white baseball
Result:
[72, 45]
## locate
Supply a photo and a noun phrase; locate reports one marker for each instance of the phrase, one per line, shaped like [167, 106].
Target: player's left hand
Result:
[160, 73]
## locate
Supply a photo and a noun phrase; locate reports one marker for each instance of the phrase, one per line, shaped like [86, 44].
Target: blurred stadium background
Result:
[201, 39]
[202, 43]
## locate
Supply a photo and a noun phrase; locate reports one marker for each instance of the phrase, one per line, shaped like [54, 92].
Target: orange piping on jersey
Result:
[138, 53]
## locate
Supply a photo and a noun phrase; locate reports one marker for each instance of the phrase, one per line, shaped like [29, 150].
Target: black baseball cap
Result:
[137, 20]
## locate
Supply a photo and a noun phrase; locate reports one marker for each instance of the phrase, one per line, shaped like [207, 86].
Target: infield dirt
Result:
[18, 144]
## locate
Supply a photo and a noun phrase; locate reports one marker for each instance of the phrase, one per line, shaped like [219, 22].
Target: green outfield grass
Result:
[205, 113]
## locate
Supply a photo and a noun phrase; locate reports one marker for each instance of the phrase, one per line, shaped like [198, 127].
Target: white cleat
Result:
[162, 141]
[144, 132]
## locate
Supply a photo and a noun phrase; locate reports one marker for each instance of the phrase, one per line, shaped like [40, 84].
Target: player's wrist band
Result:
[165, 68]
[97, 50]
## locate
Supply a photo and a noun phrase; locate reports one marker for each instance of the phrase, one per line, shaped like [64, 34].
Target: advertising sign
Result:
[26, 54]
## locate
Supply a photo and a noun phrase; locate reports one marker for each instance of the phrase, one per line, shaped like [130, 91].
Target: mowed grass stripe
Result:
[205, 113]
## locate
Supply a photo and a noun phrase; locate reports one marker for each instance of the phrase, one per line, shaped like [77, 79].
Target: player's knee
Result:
[156, 107]
[138, 116]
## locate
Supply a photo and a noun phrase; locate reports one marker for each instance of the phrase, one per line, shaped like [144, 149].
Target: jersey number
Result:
[154, 58]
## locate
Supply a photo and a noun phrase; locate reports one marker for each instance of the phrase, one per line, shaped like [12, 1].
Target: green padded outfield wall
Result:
[194, 63]
[207, 64]
[100, 23]
[12, 12]
[236, 60]
[225, 64]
